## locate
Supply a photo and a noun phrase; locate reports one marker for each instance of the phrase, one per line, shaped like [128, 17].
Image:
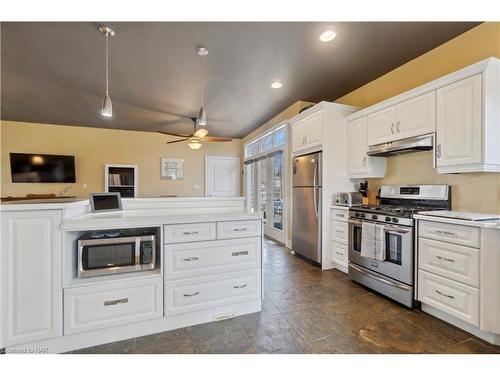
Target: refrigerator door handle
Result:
[315, 199]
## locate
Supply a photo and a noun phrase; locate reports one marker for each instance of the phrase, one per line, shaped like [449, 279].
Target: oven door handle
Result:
[378, 278]
[352, 221]
[392, 229]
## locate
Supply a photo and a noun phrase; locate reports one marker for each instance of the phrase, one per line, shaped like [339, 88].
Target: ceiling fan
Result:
[196, 137]
[200, 129]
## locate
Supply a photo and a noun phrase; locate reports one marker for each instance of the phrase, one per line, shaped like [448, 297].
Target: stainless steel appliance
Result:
[119, 251]
[306, 202]
[348, 199]
[394, 276]
[403, 146]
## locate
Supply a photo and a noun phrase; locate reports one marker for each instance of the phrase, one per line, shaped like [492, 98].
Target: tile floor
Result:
[306, 310]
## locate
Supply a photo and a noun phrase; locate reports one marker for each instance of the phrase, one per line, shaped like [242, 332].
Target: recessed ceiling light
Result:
[276, 85]
[327, 36]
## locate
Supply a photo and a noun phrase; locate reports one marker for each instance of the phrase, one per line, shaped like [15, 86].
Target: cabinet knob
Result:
[438, 151]
[397, 126]
[364, 162]
[392, 128]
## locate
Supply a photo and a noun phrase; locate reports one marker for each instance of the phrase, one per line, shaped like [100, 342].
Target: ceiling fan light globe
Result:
[194, 145]
[107, 107]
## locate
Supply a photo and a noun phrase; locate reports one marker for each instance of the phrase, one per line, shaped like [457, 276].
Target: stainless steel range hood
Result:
[404, 146]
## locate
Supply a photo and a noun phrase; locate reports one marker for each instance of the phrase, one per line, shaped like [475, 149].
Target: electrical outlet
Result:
[196, 187]
[84, 186]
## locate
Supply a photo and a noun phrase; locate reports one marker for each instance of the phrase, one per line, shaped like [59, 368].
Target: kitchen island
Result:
[208, 267]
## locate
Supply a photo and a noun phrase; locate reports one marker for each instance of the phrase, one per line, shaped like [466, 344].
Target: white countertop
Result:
[131, 218]
[494, 224]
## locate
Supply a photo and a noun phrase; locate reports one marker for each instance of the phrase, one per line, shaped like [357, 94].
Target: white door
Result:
[382, 126]
[31, 292]
[274, 223]
[222, 176]
[416, 116]
[459, 123]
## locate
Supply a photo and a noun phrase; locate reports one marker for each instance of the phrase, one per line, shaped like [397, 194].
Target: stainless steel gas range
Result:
[391, 272]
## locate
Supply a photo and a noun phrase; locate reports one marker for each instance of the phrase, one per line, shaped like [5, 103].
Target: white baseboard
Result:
[473, 330]
[104, 336]
[288, 244]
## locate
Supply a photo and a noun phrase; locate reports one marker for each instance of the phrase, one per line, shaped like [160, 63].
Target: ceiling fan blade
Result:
[179, 140]
[215, 139]
[175, 134]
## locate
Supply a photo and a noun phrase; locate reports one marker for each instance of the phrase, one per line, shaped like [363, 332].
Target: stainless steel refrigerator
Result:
[306, 203]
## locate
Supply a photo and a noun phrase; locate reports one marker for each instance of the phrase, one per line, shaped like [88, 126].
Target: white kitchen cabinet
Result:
[407, 119]
[31, 294]
[382, 126]
[459, 125]
[307, 133]
[359, 165]
[416, 116]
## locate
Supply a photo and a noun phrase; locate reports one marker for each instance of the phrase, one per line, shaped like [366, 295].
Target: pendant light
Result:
[194, 144]
[107, 107]
[201, 122]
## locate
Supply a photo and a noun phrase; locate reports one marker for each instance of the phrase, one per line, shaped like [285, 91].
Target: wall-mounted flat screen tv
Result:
[42, 168]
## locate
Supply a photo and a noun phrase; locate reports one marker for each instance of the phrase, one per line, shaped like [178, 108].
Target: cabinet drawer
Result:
[109, 305]
[202, 293]
[340, 231]
[454, 298]
[237, 229]
[339, 252]
[204, 258]
[189, 232]
[455, 262]
[457, 234]
[340, 215]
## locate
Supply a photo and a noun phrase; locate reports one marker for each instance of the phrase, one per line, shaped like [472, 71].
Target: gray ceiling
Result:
[54, 72]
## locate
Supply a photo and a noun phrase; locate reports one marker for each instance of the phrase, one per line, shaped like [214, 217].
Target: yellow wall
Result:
[94, 147]
[470, 191]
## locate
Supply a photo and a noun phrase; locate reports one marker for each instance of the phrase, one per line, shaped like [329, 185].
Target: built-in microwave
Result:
[112, 252]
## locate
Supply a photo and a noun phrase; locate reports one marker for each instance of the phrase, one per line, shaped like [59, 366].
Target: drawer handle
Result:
[239, 286]
[116, 302]
[339, 253]
[444, 295]
[240, 229]
[190, 233]
[339, 215]
[190, 259]
[446, 259]
[191, 295]
[446, 232]
[239, 253]
[339, 231]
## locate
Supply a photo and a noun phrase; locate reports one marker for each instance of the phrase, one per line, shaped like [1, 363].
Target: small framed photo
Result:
[172, 169]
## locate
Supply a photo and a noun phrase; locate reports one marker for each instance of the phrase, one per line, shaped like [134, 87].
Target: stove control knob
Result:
[363, 215]
[356, 214]
[374, 217]
[387, 218]
[395, 220]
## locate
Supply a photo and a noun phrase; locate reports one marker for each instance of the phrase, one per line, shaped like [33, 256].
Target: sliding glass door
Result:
[264, 184]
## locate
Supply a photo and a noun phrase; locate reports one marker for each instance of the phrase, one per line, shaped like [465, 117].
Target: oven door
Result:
[398, 247]
[108, 256]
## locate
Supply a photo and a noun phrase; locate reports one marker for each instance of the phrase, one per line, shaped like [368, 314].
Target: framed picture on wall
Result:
[172, 169]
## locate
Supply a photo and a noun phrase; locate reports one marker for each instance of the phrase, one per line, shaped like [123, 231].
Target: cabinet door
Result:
[356, 146]
[31, 294]
[416, 116]
[298, 136]
[459, 123]
[312, 129]
[382, 126]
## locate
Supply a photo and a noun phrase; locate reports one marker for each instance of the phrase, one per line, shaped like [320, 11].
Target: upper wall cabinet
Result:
[307, 133]
[359, 165]
[409, 118]
[468, 134]
[462, 108]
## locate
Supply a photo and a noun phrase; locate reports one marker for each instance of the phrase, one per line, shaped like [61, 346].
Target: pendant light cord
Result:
[107, 63]
[202, 78]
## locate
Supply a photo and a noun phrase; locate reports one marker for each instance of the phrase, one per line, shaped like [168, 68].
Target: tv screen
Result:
[42, 168]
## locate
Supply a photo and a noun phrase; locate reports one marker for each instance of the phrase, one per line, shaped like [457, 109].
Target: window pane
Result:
[278, 191]
[280, 138]
[252, 149]
[266, 143]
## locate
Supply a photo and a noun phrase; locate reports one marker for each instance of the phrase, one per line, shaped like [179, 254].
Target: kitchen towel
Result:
[372, 241]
